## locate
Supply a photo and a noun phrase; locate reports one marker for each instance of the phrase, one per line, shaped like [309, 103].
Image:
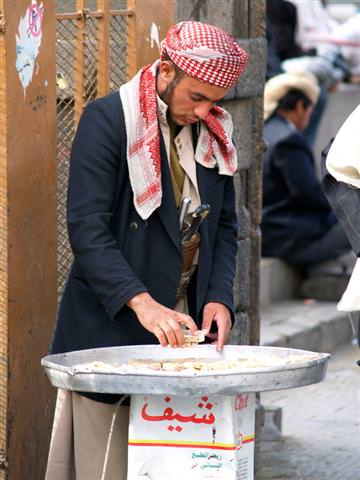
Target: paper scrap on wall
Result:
[28, 41]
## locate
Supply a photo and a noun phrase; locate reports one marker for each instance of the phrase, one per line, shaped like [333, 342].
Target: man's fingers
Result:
[222, 337]
[212, 336]
[224, 327]
[169, 331]
[219, 338]
[188, 322]
[172, 329]
[165, 323]
[160, 335]
[207, 320]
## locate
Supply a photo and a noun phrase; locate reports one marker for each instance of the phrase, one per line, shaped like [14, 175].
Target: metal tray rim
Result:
[75, 370]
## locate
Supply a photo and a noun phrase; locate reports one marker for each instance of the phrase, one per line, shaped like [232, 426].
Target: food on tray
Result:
[193, 339]
[177, 365]
[196, 364]
[210, 364]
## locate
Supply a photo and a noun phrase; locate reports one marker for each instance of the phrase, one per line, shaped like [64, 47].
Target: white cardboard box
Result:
[191, 438]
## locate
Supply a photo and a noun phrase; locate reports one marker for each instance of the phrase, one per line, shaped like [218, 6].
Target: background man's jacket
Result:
[295, 209]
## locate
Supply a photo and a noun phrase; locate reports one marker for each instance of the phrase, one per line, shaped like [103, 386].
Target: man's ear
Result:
[166, 71]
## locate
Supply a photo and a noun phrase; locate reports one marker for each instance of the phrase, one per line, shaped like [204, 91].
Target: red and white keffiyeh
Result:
[139, 103]
[205, 52]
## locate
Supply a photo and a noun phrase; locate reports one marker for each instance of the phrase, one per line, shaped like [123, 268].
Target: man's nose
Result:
[202, 109]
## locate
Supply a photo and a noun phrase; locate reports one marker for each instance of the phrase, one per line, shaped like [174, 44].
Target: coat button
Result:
[134, 226]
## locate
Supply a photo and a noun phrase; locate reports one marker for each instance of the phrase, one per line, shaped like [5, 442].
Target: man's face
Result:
[188, 99]
[305, 117]
[302, 115]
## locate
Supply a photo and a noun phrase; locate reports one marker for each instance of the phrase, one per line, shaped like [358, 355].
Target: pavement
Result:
[313, 432]
[320, 438]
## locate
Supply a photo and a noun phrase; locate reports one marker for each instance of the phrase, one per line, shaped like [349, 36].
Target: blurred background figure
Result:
[313, 22]
[344, 40]
[302, 37]
[298, 224]
[282, 21]
[341, 180]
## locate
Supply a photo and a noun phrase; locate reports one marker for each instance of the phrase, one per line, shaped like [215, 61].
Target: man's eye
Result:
[196, 99]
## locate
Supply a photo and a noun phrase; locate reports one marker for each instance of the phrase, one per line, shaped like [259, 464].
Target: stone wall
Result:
[244, 19]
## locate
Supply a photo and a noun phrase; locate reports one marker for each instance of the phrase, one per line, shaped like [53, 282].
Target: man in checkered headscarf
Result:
[137, 279]
[204, 52]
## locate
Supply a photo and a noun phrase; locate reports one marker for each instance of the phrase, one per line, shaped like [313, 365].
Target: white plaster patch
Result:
[28, 42]
[154, 35]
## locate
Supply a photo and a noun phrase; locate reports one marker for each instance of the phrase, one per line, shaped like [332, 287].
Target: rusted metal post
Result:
[3, 254]
[103, 68]
[79, 62]
[27, 233]
[147, 27]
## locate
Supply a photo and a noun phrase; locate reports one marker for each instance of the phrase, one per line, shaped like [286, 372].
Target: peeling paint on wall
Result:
[28, 42]
[154, 35]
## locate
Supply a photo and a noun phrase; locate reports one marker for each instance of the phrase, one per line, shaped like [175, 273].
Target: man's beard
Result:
[169, 91]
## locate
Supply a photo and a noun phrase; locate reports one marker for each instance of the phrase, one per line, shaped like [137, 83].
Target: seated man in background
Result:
[298, 224]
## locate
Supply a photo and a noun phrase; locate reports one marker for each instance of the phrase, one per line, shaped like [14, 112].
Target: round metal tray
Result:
[73, 372]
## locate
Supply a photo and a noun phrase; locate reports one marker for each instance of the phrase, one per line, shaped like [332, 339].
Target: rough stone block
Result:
[240, 333]
[278, 281]
[257, 18]
[244, 228]
[241, 113]
[251, 82]
[307, 339]
[335, 331]
[242, 276]
[240, 197]
[223, 14]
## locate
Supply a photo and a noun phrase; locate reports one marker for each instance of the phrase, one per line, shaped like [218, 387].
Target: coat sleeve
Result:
[293, 160]
[96, 157]
[345, 201]
[224, 255]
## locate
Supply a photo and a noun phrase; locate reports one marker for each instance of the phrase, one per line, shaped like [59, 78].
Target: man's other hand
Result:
[161, 321]
[218, 313]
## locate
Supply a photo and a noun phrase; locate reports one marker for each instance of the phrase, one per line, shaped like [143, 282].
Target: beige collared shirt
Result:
[185, 150]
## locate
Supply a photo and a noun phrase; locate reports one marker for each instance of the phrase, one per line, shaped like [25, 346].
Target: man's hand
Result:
[161, 321]
[218, 313]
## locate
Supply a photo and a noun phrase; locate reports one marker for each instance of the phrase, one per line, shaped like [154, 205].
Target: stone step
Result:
[278, 281]
[309, 325]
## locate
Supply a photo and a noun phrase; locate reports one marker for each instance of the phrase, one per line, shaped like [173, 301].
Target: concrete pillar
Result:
[27, 232]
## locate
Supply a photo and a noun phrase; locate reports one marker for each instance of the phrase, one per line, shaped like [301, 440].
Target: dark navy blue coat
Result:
[295, 209]
[118, 255]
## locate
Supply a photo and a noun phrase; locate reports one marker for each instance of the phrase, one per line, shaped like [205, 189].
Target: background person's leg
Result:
[330, 246]
[327, 264]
